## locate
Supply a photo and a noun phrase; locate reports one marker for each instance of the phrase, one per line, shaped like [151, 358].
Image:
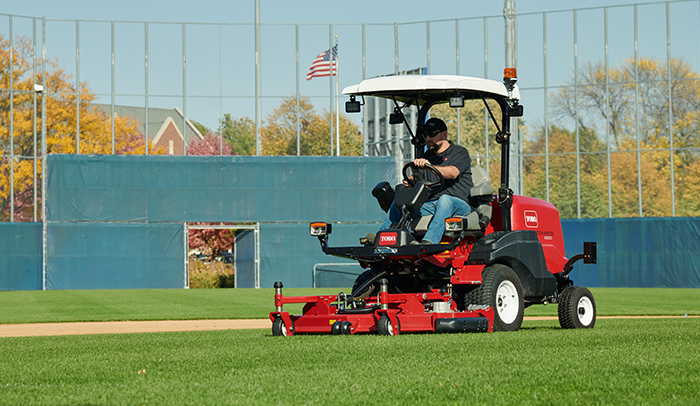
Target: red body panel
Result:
[528, 213]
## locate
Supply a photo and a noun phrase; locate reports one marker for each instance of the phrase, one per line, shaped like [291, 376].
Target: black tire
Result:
[345, 327]
[335, 328]
[502, 290]
[471, 297]
[463, 296]
[577, 308]
[281, 329]
[360, 292]
[385, 327]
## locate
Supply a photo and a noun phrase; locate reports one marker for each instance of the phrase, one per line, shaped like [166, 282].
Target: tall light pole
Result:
[258, 97]
[42, 89]
[515, 145]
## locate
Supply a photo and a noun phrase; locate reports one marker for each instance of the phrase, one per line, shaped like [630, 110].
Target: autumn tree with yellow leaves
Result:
[666, 118]
[65, 109]
[279, 136]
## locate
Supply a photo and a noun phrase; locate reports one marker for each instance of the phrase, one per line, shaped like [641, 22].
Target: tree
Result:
[210, 242]
[614, 104]
[473, 118]
[211, 144]
[279, 134]
[63, 107]
[644, 106]
[200, 127]
[239, 134]
[563, 186]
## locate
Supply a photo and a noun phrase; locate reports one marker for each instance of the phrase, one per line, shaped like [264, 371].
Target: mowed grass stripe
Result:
[621, 361]
[194, 304]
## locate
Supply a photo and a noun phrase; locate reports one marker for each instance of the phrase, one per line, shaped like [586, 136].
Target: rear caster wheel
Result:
[576, 308]
[335, 328]
[386, 328]
[345, 328]
[279, 328]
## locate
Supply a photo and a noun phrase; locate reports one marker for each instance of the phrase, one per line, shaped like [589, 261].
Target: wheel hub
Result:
[585, 311]
[507, 302]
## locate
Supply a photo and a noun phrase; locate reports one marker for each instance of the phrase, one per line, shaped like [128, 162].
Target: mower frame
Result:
[474, 279]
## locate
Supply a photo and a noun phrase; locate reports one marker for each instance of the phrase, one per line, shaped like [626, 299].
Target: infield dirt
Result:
[124, 327]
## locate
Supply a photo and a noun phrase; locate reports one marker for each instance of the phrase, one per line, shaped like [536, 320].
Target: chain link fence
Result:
[611, 100]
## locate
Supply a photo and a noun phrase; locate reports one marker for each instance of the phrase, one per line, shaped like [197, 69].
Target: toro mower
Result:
[506, 255]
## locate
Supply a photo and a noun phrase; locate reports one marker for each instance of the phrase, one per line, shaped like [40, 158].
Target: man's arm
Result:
[448, 172]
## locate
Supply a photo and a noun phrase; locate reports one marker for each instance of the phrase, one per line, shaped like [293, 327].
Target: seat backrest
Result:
[481, 195]
[482, 182]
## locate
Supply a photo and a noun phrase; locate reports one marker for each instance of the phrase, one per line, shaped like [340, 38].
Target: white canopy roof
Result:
[406, 87]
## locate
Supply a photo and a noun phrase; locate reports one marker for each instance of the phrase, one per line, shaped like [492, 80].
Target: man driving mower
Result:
[454, 164]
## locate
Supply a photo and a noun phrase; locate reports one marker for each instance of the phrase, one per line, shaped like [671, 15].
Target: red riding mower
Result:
[507, 254]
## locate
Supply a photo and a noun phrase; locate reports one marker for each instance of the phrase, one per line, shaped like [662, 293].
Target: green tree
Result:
[239, 133]
[201, 127]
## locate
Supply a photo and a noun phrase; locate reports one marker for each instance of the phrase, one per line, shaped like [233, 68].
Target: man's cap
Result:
[434, 125]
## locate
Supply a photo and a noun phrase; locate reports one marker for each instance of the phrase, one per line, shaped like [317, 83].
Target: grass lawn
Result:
[181, 304]
[622, 362]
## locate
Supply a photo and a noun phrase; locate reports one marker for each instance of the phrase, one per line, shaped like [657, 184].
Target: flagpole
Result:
[337, 96]
[330, 84]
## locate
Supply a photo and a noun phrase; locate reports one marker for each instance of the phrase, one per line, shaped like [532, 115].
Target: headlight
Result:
[320, 229]
[454, 224]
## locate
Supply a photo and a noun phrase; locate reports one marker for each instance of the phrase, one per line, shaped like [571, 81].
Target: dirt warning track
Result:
[121, 327]
[160, 326]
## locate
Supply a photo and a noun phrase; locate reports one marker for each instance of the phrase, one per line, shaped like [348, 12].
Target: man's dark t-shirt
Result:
[457, 156]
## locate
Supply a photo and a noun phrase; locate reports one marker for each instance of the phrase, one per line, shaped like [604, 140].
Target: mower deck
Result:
[386, 314]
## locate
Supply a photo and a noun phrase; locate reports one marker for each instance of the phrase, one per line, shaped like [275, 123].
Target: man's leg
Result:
[446, 206]
[392, 216]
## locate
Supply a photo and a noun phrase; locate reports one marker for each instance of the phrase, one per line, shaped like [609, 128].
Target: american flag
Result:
[322, 64]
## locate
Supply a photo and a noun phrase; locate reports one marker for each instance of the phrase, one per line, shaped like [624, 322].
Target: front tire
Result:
[501, 289]
[577, 308]
[279, 328]
[386, 328]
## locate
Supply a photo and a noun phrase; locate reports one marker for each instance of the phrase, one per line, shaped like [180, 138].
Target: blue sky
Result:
[220, 63]
[284, 11]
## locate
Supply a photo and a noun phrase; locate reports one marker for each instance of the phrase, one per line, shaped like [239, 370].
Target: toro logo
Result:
[387, 239]
[531, 219]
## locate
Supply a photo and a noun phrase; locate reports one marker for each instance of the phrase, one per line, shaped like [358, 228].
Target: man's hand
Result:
[420, 162]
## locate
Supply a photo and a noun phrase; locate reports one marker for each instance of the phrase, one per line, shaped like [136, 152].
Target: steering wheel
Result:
[434, 186]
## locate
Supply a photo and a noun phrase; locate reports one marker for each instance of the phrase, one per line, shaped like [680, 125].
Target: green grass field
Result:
[620, 361]
[181, 304]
